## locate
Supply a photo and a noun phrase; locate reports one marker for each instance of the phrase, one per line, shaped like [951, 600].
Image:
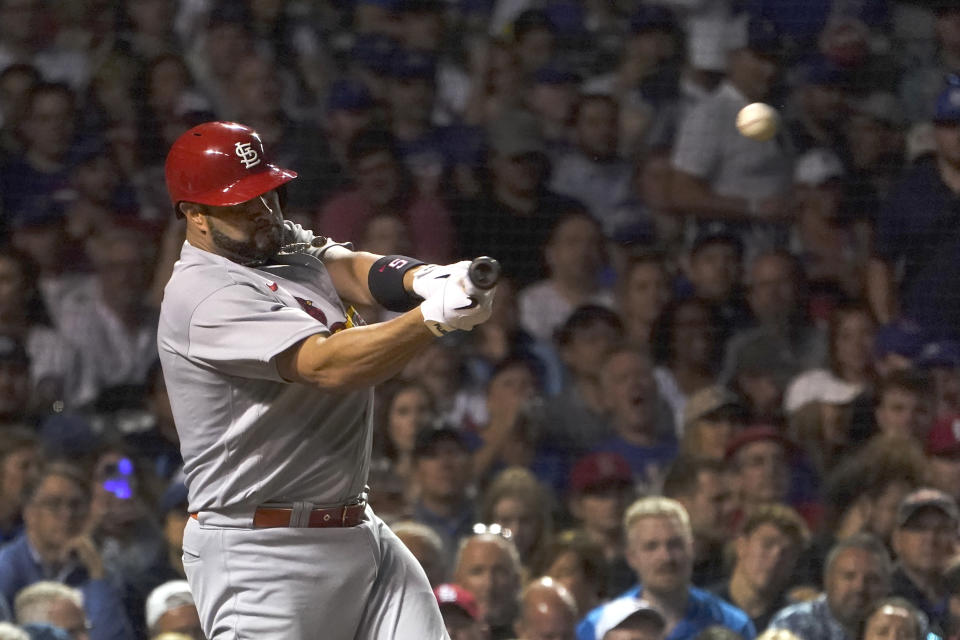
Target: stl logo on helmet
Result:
[247, 154]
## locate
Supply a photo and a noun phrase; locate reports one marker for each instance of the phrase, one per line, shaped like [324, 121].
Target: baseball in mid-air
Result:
[758, 121]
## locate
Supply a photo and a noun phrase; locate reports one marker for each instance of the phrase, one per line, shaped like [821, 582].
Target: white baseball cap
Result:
[617, 611]
[168, 596]
[818, 385]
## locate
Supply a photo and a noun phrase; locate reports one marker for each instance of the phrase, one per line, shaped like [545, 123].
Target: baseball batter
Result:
[270, 381]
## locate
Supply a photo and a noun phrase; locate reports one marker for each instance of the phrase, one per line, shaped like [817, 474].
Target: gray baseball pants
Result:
[356, 583]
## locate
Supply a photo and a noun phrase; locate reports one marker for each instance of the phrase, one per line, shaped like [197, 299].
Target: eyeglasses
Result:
[493, 529]
[57, 505]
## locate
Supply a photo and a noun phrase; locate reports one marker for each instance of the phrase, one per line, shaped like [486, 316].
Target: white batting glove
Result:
[451, 308]
[430, 278]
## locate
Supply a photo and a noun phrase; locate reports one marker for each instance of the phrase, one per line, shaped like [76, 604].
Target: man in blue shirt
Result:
[857, 574]
[52, 547]
[660, 551]
[918, 235]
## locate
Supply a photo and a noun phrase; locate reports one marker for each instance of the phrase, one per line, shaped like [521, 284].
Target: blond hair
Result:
[657, 507]
[32, 604]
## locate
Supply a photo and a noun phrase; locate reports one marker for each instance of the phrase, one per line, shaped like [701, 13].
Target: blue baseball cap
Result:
[412, 64]
[754, 33]
[903, 338]
[374, 51]
[944, 353]
[948, 104]
[174, 497]
[653, 17]
[349, 95]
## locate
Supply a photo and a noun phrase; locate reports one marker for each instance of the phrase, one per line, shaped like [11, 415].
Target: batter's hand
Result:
[452, 308]
[430, 278]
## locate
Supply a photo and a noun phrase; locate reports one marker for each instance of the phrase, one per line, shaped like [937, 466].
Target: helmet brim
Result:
[247, 188]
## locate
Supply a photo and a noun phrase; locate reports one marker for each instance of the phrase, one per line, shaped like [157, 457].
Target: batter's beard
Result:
[265, 243]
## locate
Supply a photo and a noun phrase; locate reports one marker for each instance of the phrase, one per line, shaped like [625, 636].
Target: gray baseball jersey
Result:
[247, 436]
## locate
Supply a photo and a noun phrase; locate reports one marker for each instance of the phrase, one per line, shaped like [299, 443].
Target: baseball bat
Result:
[484, 272]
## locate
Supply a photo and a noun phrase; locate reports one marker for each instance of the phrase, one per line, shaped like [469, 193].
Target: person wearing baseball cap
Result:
[924, 539]
[170, 608]
[601, 487]
[711, 418]
[460, 613]
[943, 455]
[630, 618]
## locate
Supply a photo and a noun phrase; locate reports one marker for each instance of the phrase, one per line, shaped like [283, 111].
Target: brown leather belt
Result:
[349, 515]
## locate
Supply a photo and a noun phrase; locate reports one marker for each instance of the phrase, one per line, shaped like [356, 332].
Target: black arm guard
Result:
[385, 282]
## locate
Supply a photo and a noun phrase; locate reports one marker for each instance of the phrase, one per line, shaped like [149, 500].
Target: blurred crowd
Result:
[719, 395]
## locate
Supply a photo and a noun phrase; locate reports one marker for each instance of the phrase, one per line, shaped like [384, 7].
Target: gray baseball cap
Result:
[927, 498]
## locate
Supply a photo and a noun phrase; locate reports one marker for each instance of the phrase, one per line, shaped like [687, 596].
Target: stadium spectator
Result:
[818, 110]
[830, 247]
[643, 291]
[713, 268]
[170, 609]
[513, 218]
[552, 96]
[711, 419]
[460, 614]
[519, 503]
[441, 468]
[158, 445]
[640, 420]
[55, 604]
[943, 455]
[574, 257]
[534, 39]
[767, 549]
[426, 546]
[686, 348]
[818, 408]
[630, 618]
[703, 486]
[719, 174]
[575, 561]
[922, 84]
[894, 616]
[173, 513]
[15, 384]
[924, 539]
[575, 419]
[488, 566]
[16, 81]
[940, 360]
[903, 405]
[601, 488]
[56, 503]
[660, 551]
[857, 573]
[19, 460]
[383, 188]
[897, 347]
[924, 247]
[547, 610]
[48, 133]
[593, 171]
[116, 332]
[760, 458]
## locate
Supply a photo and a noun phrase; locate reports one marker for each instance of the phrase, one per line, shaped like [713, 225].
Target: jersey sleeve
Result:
[239, 330]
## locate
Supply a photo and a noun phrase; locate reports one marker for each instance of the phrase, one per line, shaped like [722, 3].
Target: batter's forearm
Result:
[356, 357]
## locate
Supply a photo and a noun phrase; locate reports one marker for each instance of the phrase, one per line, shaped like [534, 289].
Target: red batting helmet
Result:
[220, 164]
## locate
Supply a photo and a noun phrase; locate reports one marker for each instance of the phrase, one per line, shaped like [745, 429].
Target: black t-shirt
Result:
[486, 226]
